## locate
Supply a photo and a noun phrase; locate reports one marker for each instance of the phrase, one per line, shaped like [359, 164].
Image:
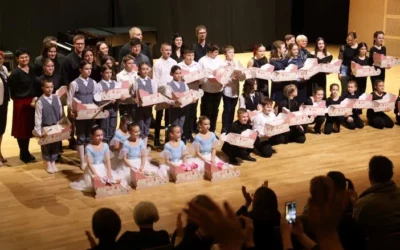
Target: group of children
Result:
[97, 139]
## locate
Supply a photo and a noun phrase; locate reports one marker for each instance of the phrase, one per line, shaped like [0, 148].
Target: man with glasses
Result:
[200, 48]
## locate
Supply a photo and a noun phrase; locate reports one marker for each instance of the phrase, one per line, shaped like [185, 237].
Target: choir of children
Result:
[130, 140]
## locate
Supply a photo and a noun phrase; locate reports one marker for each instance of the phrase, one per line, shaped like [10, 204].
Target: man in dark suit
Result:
[135, 32]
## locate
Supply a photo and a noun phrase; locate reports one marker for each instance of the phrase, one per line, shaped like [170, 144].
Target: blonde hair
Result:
[227, 48]
[132, 31]
[300, 38]
[200, 27]
[289, 89]
[145, 213]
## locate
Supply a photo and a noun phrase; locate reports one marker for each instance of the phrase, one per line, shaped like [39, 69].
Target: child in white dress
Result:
[98, 157]
[205, 144]
[175, 152]
[134, 156]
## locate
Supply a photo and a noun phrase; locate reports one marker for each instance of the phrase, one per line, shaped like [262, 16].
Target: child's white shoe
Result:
[49, 168]
[55, 169]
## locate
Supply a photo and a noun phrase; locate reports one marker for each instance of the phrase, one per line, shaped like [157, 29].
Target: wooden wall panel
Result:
[393, 27]
[393, 46]
[393, 7]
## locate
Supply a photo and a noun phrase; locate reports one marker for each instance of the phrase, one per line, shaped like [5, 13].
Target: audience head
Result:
[79, 43]
[136, 32]
[362, 49]
[166, 50]
[352, 87]
[145, 214]
[136, 46]
[351, 38]
[289, 39]
[334, 88]
[48, 66]
[341, 182]
[380, 169]
[318, 94]
[85, 68]
[212, 50]
[379, 86]
[229, 52]
[302, 41]
[88, 55]
[259, 51]
[106, 224]
[265, 205]
[249, 87]
[49, 51]
[293, 50]
[320, 46]
[379, 36]
[278, 49]
[201, 33]
[267, 106]
[97, 134]
[177, 42]
[290, 90]
[22, 56]
[243, 116]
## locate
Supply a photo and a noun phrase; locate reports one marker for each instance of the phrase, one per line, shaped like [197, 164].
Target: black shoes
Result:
[233, 161]
[27, 159]
[157, 142]
[248, 158]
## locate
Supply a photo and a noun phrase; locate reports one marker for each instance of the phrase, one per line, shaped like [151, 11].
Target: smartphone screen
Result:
[291, 212]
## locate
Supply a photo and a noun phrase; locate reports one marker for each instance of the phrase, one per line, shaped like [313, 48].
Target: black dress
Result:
[176, 58]
[96, 74]
[262, 85]
[300, 83]
[277, 87]
[378, 120]
[371, 62]
[296, 133]
[361, 81]
[55, 79]
[334, 119]
[346, 54]
[319, 120]
[4, 105]
[319, 80]
[58, 61]
[396, 110]
[357, 122]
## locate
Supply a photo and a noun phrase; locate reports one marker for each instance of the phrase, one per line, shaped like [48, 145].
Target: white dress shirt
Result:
[37, 131]
[259, 121]
[130, 77]
[162, 71]
[73, 88]
[178, 84]
[231, 89]
[191, 68]
[207, 62]
[144, 81]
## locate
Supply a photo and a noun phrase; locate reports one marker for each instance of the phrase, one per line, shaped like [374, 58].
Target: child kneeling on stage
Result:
[353, 121]
[264, 143]
[134, 155]
[379, 120]
[238, 127]
[205, 144]
[48, 112]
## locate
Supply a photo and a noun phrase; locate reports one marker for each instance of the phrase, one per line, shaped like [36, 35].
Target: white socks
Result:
[55, 169]
[51, 167]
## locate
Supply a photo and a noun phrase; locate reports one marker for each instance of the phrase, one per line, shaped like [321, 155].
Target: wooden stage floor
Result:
[40, 211]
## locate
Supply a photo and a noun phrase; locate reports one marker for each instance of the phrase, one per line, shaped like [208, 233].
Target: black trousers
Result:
[159, 116]
[210, 107]
[380, 120]
[318, 121]
[228, 114]
[191, 119]
[356, 123]
[398, 119]
[265, 147]
[301, 91]
[329, 123]
[233, 151]
[128, 109]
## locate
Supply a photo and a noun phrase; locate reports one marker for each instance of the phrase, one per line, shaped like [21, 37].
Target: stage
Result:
[40, 211]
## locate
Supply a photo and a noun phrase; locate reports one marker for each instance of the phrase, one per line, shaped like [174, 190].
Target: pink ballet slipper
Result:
[220, 165]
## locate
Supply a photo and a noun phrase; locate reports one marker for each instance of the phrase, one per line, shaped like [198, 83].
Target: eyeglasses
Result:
[80, 44]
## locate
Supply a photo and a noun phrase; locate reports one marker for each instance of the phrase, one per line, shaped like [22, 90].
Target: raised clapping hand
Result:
[91, 239]
[247, 197]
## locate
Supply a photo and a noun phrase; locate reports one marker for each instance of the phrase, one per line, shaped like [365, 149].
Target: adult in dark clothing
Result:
[379, 49]
[346, 53]
[4, 99]
[106, 225]
[200, 48]
[279, 61]
[145, 215]
[363, 60]
[377, 210]
[22, 82]
[323, 56]
[265, 215]
[296, 133]
[178, 47]
[135, 32]
[257, 61]
[136, 52]
[88, 56]
[70, 66]
[47, 51]
[242, 124]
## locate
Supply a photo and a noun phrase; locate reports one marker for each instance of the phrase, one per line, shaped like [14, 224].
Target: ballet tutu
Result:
[201, 164]
[23, 118]
[85, 183]
[124, 172]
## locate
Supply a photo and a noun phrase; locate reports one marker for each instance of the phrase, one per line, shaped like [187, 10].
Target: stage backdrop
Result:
[241, 23]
